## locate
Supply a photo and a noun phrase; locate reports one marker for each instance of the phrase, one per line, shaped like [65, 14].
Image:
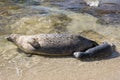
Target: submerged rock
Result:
[73, 5]
[41, 24]
[92, 3]
[109, 19]
[108, 6]
[107, 11]
[11, 13]
[17, 19]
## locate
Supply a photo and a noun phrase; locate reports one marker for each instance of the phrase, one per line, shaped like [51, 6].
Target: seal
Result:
[99, 51]
[51, 44]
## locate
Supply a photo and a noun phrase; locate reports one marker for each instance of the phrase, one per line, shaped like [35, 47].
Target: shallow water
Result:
[49, 17]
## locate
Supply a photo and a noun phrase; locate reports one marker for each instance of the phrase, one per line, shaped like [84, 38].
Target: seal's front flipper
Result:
[28, 55]
[35, 44]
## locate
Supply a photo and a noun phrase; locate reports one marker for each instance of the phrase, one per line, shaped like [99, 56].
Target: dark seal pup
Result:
[51, 44]
[99, 51]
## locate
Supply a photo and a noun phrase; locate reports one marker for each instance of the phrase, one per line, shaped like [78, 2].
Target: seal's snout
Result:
[9, 38]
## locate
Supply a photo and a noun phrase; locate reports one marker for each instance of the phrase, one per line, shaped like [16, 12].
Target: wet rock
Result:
[12, 19]
[107, 11]
[108, 6]
[52, 0]
[92, 3]
[73, 5]
[5, 10]
[9, 15]
[6, 1]
[109, 19]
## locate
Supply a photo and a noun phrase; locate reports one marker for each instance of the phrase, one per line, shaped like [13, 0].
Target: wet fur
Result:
[52, 44]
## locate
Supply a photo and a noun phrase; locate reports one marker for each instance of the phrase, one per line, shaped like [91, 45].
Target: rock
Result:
[41, 24]
[108, 6]
[109, 19]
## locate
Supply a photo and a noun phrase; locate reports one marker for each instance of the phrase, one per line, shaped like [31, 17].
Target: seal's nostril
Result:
[8, 38]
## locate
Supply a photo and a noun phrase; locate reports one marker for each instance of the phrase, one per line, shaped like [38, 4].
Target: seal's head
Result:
[12, 37]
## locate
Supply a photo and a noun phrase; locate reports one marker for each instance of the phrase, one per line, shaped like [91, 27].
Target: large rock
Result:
[109, 19]
[108, 6]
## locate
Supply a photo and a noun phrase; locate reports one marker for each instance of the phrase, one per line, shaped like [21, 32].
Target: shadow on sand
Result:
[115, 54]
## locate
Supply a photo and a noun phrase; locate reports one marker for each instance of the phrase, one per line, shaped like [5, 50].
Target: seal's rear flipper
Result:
[101, 51]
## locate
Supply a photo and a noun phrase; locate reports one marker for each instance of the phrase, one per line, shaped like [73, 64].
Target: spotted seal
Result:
[51, 44]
